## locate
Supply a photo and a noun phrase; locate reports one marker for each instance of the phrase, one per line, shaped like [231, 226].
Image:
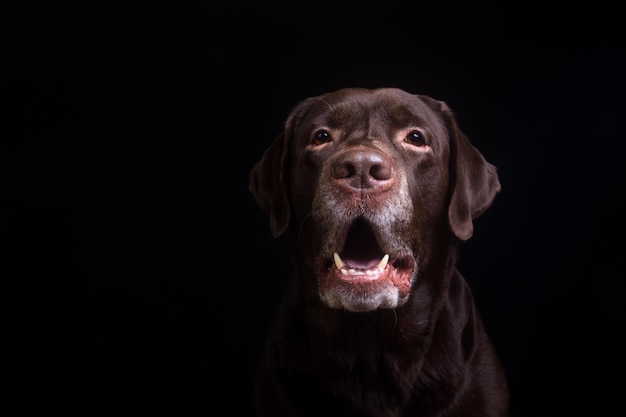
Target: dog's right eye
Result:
[321, 137]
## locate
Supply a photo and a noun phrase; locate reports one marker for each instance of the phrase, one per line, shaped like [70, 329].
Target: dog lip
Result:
[355, 289]
[373, 271]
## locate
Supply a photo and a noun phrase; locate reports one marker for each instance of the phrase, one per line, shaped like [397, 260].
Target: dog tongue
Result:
[361, 263]
[357, 263]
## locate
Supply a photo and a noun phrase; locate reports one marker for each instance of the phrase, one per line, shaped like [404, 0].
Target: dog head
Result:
[368, 182]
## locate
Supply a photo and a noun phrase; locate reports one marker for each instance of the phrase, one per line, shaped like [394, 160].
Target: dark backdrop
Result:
[136, 264]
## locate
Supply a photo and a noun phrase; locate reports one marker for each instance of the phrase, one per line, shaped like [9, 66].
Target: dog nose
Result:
[362, 169]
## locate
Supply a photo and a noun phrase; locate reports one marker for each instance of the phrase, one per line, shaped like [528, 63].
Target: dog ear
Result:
[268, 184]
[269, 178]
[474, 181]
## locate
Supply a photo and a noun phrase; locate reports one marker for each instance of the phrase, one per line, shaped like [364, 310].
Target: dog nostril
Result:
[362, 169]
[380, 171]
[343, 170]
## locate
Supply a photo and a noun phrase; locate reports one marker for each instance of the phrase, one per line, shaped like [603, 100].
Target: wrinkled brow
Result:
[402, 116]
[341, 115]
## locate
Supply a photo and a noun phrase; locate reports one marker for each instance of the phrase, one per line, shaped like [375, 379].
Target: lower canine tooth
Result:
[383, 262]
[338, 262]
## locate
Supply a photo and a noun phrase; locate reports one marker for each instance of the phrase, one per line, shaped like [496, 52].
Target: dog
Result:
[374, 189]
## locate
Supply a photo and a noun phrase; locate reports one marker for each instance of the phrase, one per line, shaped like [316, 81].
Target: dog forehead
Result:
[354, 106]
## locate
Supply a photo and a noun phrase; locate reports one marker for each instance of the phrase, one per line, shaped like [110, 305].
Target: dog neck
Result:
[381, 354]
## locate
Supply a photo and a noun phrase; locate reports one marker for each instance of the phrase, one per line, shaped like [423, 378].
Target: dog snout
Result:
[362, 169]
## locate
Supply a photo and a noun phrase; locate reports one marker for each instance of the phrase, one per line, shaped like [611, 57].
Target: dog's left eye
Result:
[322, 137]
[415, 138]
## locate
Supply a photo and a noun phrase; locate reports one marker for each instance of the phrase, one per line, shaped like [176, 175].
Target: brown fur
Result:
[363, 173]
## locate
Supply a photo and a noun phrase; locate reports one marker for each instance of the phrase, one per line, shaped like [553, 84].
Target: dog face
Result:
[369, 182]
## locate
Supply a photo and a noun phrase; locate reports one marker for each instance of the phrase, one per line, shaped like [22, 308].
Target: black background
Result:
[136, 269]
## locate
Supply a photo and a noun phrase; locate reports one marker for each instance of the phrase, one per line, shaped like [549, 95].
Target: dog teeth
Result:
[383, 262]
[341, 266]
[338, 262]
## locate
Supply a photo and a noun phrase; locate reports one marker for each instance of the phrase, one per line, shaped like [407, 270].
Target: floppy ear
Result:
[269, 178]
[268, 184]
[474, 181]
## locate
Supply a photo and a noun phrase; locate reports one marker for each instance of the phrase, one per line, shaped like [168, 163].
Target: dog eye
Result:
[415, 138]
[322, 137]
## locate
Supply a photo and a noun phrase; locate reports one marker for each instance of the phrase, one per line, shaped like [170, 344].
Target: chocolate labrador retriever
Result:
[374, 190]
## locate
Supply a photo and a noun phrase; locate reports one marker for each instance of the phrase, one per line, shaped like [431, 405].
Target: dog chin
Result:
[357, 302]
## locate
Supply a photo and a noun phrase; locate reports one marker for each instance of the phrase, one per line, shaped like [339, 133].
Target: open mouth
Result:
[369, 272]
[363, 259]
